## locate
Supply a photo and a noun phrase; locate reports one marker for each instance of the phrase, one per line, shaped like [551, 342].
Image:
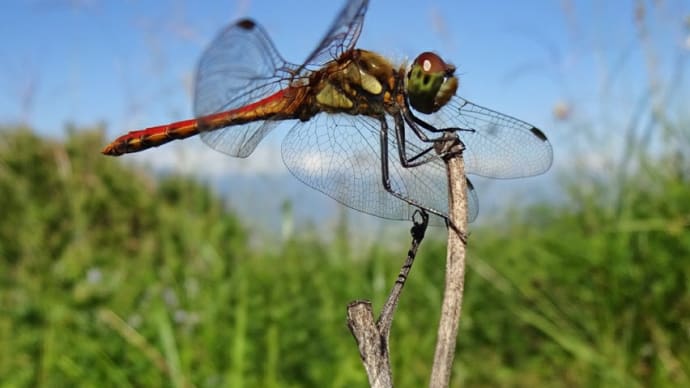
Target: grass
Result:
[111, 277]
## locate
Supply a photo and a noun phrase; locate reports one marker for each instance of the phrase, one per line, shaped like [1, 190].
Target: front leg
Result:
[385, 172]
[402, 146]
[417, 125]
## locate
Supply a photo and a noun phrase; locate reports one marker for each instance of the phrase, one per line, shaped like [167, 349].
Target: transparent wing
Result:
[341, 37]
[241, 66]
[500, 146]
[340, 156]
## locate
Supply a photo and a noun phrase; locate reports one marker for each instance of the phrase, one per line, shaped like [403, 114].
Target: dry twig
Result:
[372, 336]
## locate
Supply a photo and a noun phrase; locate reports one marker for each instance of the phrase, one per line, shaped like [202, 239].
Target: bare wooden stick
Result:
[455, 262]
[373, 347]
[372, 337]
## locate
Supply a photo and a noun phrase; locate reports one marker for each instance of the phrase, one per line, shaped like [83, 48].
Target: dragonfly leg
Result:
[402, 149]
[463, 236]
[412, 120]
[416, 124]
[417, 159]
[385, 172]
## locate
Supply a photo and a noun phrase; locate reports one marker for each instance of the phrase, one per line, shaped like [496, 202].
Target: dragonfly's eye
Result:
[430, 83]
[431, 63]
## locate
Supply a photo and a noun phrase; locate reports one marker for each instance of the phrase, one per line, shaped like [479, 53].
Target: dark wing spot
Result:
[538, 133]
[493, 129]
[247, 24]
[470, 186]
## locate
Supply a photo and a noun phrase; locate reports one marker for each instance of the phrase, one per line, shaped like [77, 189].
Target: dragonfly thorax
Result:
[359, 82]
[431, 83]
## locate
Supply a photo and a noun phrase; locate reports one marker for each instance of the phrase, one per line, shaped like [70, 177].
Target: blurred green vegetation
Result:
[110, 276]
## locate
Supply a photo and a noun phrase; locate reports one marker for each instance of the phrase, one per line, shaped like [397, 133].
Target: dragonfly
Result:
[365, 127]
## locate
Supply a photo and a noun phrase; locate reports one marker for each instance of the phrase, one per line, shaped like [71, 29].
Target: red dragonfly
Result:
[346, 102]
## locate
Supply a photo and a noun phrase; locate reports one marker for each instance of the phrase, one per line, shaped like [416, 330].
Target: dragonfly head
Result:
[430, 83]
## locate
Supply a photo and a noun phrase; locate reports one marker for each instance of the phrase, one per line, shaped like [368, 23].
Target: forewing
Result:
[339, 155]
[341, 36]
[240, 67]
[496, 145]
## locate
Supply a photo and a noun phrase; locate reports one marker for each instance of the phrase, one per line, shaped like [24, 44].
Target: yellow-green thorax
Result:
[358, 82]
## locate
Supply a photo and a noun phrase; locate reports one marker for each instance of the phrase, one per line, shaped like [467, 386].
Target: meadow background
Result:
[120, 273]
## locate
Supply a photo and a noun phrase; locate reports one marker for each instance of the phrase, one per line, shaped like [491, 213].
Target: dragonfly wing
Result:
[238, 140]
[240, 67]
[340, 156]
[341, 37]
[498, 145]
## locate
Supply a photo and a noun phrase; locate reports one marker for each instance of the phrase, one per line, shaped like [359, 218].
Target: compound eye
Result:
[431, 63]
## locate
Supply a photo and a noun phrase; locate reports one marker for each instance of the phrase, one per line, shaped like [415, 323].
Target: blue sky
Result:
[130, 64]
